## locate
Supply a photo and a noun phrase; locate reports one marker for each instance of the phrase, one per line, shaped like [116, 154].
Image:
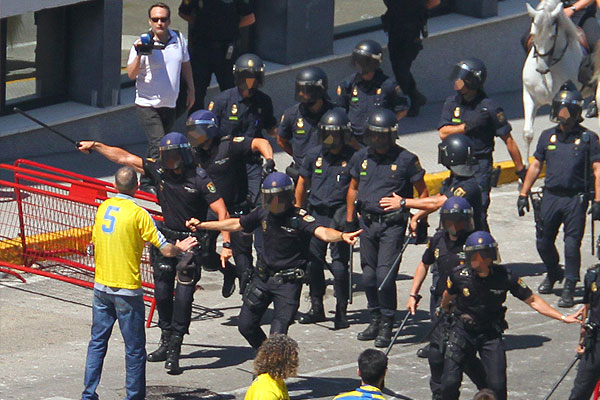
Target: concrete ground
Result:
[45, 324]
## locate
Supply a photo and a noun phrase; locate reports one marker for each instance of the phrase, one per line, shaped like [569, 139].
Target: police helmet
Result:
[483, 243]
[367, 56]
[455, 152]
[311, 85]
[471, 71]
[277, 193]
[201, 126]
[175, 151]
[249, 72]
[457, 210]
[381, 129]
[570, 98]
[334, 128]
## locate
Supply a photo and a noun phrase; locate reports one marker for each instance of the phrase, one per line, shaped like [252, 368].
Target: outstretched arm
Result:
[114, 154]
[229, 225]
[331, 235]
[538, 304]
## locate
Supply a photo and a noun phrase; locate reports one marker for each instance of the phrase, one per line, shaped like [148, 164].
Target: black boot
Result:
[423, 352]
[384, 338]
[160, 354]
[592, 110]
[566, 298]
[316, 312]
[547, 284]
[341, 319]
[172, 363]
[373, 329]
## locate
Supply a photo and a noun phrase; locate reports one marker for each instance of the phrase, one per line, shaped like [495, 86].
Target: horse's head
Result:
[544, 32]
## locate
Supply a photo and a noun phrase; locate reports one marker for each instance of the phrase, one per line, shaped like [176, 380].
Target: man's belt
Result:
[391, 217]
[285, 275]
[564, 192]
[329, 211]
[171, 234]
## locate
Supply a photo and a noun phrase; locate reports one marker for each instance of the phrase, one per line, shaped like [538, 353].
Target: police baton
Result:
[389, 348]
[396, 265]
[351, 269]
[564, 374]
[37, 121]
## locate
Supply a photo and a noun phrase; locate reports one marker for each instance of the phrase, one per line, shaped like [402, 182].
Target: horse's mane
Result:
[566, 23]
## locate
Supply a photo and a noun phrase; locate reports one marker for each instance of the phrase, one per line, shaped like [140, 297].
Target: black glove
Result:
[144, 49]
[596, 210]
[351, 226]
[268, 166]
[521, 174]
[479, 120]
[522, 204]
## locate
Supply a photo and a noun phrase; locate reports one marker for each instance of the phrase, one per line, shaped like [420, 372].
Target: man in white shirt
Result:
[158, 77]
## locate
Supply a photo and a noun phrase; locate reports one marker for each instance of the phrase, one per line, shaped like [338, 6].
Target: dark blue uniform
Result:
[278, 278]
[443, 254]
[329, 176]
[380, 175]
[226, 164]
[479, 323]
[181, 197]
[490, 122]
[564, 200]
[359, 97]
[300, 126]
[588, 372]
[467, 187]
[213, 38]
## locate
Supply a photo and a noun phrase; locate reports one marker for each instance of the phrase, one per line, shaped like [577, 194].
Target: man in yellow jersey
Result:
[120, 230]
[276, 360]
[372, 366]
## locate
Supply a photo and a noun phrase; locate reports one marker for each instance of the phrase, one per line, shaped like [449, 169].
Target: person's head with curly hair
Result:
[278, 357]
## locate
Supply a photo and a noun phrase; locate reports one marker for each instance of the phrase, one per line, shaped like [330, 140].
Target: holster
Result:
[456, 347]
[495, 176]
[536, 204]
[591, 335]
[254, 297]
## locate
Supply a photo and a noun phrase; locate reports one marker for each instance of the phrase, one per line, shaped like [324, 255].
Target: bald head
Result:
[126, 180]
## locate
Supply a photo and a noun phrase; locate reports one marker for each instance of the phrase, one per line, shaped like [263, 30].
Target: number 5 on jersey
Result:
[109, 226]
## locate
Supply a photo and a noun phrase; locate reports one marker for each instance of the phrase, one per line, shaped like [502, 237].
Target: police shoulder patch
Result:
[501, 117]
[522, 283]
[151, 159]
[239, 139]
[308, 218]
[466, 292]
[211, 187]
[211, 105]
[459, 192]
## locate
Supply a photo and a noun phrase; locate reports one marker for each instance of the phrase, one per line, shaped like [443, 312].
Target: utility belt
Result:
[391, 218]
[470, 325]
[173, 235]
[328, 211]
[564, 192]
[294, 274]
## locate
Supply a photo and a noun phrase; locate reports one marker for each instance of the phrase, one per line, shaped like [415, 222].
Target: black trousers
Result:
[208, 59]
[255, 178]
[241, 246]
[340, 255]
[379, 246]
[157, 122]
[588, 373]
[570, 212]
[404, 44]
[175, 311]
[259, 294]
[483, 176]
[490, 348]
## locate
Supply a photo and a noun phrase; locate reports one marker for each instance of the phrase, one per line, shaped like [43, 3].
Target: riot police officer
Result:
[184, 191]
[224, 159]
[369, 88]
[405, 21]
[470, 112]
[570, 152]
[326, 173]
[214, 28]
[278, 277]
[455, 153]
[377, 171]
[588, 372]
[444, 252]
[478, 288]
[297, 133]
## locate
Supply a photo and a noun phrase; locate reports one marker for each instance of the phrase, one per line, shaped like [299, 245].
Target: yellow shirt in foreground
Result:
[265, 387]
[120, 232]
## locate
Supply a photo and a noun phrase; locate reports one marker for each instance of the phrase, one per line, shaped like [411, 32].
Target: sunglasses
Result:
[163, 20]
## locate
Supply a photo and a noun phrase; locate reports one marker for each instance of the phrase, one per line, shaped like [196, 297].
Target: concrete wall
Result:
[495, 42]
[8, 8]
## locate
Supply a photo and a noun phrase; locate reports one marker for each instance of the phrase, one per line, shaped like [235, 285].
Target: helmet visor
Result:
[332, 136]
[470, 78]
[247, 79]
[365, 63]
[566, 111]
[308, 92]
[197, 135]
[457, 221]
[171, 158]
[278, 203]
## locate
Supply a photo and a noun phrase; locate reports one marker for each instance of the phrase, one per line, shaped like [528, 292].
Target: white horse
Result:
[553, 59]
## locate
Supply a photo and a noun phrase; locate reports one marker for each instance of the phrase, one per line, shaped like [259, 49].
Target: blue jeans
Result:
[129, 310]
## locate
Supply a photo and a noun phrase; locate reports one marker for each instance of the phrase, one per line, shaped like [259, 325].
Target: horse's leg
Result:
[529, 111]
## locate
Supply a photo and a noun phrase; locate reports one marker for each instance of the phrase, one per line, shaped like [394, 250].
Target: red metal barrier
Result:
[597, 391]
[46, 219]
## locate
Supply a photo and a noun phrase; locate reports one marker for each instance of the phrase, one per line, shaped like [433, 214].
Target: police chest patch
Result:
[211, 187]
[553, 139]
[577, 141]
[300, 123]
[239, 139]
[319, 162]
[364, 164]
[355, 91]
[234, 109]
[264, 226]
[522, 283]
[436, 253]
[464, 272]
[457, 112]
[308, 218]
[339, 90]
[448, 282]
[393, 167]
[211, 105]
[189, 189]
[459, 192]
[378, 91]
[466, 292]
[594, 287]
[344, 163]
[501, 117]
